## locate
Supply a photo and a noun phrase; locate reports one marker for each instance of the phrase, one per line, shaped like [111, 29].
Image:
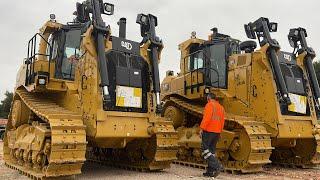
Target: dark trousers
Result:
[209, 142]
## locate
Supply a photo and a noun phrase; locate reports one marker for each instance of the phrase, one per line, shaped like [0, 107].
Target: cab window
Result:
[66, 53]
[54, 44]
[195, 61]
[71, 54]
[218, 65]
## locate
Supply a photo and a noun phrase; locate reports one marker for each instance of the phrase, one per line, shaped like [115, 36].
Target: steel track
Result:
[68, 138]
[260, 140]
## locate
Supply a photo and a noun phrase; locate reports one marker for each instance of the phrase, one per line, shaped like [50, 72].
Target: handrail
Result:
[210, 68]
[31, 56]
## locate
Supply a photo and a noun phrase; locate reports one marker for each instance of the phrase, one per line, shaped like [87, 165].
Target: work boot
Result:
[208, 174]
[217, 172]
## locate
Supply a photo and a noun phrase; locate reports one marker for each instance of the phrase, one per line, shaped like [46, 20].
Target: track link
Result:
[162, 146]
[259, 140]
[67, 138]
[315, 161]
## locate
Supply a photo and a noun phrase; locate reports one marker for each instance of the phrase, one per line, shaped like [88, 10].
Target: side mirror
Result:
[142, 19]
[108, 9]
[293, 37]
[154, 19]
[273, 27]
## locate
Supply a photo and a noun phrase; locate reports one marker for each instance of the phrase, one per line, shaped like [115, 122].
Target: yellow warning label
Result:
[298, 103]
[128, 97]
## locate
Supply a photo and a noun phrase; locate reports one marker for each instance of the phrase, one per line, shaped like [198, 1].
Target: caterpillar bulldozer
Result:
[84, 94]
[270, 97]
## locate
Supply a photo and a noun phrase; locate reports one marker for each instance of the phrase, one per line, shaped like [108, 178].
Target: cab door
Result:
[68, 53]
[194, 76]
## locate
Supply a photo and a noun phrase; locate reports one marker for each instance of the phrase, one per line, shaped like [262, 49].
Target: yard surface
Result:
[176, 172]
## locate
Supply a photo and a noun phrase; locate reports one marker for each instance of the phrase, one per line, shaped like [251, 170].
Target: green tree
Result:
[6, 104]
[317, 69]
[316, 65]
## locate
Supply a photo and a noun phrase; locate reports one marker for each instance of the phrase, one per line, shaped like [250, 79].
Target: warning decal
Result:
[129, 97]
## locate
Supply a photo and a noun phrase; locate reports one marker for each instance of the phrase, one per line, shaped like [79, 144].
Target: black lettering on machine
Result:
[124, 45]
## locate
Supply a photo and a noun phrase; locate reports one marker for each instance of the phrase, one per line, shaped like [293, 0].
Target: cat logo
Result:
[287, 57]
[126, 45]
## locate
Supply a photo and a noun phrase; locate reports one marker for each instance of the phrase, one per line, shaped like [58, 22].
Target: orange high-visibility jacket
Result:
[213, 117]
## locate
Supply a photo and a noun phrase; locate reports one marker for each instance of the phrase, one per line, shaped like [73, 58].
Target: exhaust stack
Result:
[122, 27]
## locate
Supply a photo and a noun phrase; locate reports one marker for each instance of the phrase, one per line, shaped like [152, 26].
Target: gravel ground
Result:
[176, 172]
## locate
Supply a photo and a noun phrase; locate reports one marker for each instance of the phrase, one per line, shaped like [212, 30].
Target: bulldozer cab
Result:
[207, 63]
[56, 55]
[65, 45]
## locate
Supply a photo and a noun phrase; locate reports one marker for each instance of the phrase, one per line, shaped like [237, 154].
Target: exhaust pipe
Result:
[122, 27]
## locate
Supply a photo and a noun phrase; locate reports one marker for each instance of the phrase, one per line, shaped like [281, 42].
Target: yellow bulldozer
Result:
[84, 94]
[270, 98]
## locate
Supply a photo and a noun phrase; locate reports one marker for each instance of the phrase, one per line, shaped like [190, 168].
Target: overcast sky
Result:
[20, 19]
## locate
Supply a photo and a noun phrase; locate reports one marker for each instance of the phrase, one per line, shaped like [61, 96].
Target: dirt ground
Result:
[176, 172]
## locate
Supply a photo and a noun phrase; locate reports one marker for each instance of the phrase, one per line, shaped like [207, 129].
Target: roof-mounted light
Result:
[52, 17]
[108, 9]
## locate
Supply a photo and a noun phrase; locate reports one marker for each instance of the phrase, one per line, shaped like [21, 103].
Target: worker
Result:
[211, 127]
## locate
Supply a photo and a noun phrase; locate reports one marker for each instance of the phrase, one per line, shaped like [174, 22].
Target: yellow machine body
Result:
[255, 128]
[56, 124]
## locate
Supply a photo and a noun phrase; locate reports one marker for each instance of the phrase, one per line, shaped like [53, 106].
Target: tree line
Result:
[6, 104]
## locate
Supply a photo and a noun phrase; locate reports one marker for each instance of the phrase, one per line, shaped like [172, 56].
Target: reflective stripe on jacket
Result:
[213, 117]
